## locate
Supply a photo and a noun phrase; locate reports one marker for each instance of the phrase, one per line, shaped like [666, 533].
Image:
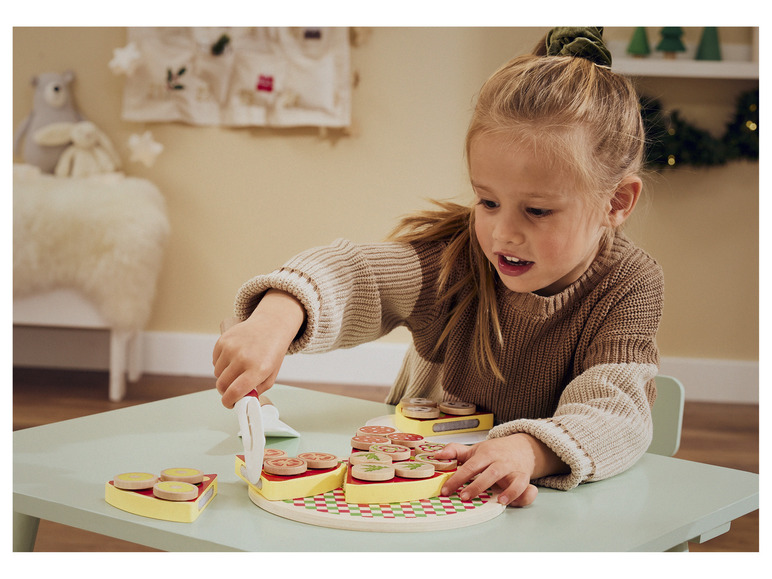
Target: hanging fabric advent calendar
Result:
[276, 77]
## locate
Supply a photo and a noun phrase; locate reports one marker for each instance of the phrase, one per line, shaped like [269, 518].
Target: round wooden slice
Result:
[372, 472]
[413, 469]
[418, 402]
[285, 465]
[438, 463]
[188, 475]
[363, 441]
[397, 452]
[406, 439]
[172, 490]
[421, 412]
[134, 481]
[430, 447]
[273, 453]
[368, 456]
[319, 459]
[375, 430]
[458, 408]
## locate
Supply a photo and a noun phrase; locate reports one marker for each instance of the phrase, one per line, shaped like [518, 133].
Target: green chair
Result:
[667, 415]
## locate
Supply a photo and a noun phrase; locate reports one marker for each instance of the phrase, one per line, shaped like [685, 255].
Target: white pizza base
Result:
[380, 518]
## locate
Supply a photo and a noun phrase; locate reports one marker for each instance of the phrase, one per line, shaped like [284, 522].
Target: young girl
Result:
[530, 303]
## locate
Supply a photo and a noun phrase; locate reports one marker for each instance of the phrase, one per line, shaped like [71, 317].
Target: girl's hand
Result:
[509, 463]
[249, 354]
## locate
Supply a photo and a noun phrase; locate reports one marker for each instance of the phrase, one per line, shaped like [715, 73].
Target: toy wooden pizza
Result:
[177, 494]
[391, 478]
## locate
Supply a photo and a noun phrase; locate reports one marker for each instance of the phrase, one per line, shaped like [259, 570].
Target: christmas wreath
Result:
[672, 141]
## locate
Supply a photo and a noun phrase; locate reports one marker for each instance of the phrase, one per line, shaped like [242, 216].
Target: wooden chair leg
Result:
[119, 340]
[135, 355]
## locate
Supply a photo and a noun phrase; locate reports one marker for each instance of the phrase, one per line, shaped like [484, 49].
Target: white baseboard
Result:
[375, 364]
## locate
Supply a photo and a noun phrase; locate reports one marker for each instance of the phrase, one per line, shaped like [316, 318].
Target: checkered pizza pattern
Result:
[334, 503]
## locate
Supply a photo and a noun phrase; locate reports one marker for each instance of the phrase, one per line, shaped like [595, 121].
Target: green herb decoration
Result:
[372, 467]
[413, 465]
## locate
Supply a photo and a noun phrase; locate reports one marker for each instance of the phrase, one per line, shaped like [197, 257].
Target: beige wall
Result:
[241, 201]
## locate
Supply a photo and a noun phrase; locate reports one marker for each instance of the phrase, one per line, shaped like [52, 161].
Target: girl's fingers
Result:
[460, 452]
[523, 499]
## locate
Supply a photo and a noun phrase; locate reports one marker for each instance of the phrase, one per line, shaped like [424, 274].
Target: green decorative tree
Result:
[709, 47]
[671, 41]
[639, 43]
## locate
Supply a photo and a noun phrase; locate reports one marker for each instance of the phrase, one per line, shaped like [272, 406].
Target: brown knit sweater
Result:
[578, 366]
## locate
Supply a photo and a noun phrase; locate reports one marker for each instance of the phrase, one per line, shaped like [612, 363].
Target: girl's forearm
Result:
[546, 462]
[282, 312]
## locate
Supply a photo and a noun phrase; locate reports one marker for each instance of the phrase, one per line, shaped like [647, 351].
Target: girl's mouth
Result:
[513, 266]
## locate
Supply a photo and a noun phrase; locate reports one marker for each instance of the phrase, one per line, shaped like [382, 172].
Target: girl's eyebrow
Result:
[545, 196]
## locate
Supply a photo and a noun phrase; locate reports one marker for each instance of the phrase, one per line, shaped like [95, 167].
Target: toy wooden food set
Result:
[177, 494]
[391, 478]
[428, 418]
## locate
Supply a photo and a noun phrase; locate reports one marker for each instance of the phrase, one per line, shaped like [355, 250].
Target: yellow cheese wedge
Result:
[143, 503]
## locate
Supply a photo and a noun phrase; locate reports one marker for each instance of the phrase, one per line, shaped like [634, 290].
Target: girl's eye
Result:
[538, 212]
[488, 204]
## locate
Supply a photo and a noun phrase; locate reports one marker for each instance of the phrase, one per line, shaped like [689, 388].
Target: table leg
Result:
[25, 530]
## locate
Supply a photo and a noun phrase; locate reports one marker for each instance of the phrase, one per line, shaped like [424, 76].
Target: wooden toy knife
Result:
[252, 434]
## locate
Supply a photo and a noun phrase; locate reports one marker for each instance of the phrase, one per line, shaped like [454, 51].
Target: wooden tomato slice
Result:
[363, 441]
[406, 439]
[375, 430]
[285, 465]
[319, 459]
[273, 453]
[395, 451]
[438, 463]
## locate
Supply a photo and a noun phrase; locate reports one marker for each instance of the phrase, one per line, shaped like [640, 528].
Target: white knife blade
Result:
[252, 435]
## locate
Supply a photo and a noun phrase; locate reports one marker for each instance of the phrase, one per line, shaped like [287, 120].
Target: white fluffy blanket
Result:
[104, 235]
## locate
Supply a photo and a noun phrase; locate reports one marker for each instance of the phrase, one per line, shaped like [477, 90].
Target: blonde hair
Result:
[579, 116]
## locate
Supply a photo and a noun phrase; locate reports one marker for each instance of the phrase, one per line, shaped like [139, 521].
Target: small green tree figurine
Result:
[639, 43]
[671, 41]
[709, 48]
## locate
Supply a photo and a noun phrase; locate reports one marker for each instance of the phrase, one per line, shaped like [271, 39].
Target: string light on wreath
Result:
[672, 141]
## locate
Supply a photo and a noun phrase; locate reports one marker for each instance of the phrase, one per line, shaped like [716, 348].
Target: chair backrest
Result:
[667, 416]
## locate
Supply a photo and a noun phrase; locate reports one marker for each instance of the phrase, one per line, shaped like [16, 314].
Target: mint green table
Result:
[59, 473]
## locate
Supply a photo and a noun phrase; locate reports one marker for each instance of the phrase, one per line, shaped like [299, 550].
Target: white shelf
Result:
[684, 68]
[738, 63]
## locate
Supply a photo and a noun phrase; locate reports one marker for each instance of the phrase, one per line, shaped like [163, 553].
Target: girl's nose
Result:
[508, 230]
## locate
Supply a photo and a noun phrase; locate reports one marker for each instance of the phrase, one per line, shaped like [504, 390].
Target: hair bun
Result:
[582, 42]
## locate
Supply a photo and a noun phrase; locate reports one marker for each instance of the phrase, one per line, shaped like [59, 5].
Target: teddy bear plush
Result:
[52, 102]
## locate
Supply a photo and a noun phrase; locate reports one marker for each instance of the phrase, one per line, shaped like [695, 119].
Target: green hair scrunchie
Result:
[582, 42]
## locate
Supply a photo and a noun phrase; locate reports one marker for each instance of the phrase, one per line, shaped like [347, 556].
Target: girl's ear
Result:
[622, 203]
